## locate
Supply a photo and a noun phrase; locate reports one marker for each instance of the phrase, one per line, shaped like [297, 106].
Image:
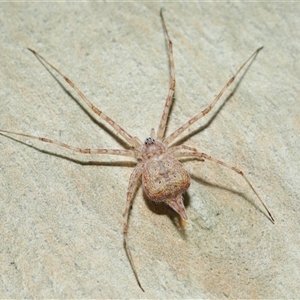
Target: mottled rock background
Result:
[61, 212]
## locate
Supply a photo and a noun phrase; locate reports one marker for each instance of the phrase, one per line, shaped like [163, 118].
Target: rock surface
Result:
[61, 212]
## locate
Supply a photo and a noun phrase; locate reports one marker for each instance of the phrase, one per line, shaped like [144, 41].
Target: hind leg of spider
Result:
[203, 156]
[134, 177]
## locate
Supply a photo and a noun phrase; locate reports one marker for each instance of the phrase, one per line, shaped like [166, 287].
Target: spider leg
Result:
[121, 152]
[177, 132]
[137, 172]
[180, 147]
[132, 141]
[203, 156]
[164, 117]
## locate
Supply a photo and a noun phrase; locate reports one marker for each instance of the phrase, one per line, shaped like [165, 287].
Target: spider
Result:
[164, 178]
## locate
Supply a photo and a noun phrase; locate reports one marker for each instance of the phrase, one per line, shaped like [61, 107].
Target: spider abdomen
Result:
[164, 178]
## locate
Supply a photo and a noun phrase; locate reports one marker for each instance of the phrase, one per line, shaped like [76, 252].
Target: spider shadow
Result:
[119, 140]
[161, 208]
[233, 191]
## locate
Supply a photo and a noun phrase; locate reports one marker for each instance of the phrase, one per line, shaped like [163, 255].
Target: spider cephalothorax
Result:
[152, 148]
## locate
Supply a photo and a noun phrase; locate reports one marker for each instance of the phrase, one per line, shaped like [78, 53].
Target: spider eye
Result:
[149, 140]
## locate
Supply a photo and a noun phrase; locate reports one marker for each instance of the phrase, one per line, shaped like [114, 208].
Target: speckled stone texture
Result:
[62, 213]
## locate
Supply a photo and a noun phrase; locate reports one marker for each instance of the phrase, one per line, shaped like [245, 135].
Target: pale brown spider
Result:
[163, 177]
